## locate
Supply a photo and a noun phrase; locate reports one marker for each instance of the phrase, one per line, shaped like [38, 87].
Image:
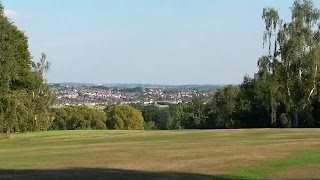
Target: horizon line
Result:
[198, 84]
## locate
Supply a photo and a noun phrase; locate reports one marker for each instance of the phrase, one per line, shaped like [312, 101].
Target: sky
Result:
[146, 41]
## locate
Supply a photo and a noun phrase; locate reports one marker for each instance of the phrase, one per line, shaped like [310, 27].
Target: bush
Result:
[80, 117]
[284, 121]
[124, 117]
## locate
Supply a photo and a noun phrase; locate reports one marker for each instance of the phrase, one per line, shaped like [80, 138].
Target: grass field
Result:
[193, 154]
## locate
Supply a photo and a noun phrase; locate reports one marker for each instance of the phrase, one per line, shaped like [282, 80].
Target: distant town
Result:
[111, 94]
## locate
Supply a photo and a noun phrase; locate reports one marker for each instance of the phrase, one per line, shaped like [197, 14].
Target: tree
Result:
[18, 83]
[78, 117]
[292, 60]
[159, 117]
[196, 113]
[180, 115]
[251, 111]
[42, 96]
[124, 117]
[15, 77]
[222, 108]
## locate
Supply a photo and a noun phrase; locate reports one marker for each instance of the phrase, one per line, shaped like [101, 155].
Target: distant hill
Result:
[128, 85]
[72, 84]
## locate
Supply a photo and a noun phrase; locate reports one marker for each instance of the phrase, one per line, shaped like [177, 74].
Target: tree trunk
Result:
[273, 118]
[8, 131]
[296, 120]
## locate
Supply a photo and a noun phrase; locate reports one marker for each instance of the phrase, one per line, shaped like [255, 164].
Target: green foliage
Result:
[151, 125]
[115, 122]
[251, 110]
[195, 117]
[222, 108]
[77, 118]
[284, 121]
[42, 97]
[124, 117]
[180, 116]
[283, 93]
[220, 112]
[24, 105]
[156, 117]
[288, 74]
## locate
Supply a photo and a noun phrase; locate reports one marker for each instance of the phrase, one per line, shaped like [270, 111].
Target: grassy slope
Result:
[219, 154]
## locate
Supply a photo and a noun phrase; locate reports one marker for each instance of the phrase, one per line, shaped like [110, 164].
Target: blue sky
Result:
[146, 41]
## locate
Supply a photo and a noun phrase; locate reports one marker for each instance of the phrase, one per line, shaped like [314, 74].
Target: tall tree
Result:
[196, 113]
[291, 64]
[18, 81]
[221, 109]
[180, 114]
[42, 96]
[14, 58]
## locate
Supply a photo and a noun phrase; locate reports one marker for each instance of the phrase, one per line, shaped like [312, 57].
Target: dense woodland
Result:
[283, 93]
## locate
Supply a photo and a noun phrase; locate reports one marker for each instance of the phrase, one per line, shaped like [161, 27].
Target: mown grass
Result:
[268, 168]
[186, 154]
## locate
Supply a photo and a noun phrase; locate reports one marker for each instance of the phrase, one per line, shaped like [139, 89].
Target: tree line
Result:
[285, 90]
[283, 93]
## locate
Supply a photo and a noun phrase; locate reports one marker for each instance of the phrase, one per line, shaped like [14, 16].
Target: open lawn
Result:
[187, 154]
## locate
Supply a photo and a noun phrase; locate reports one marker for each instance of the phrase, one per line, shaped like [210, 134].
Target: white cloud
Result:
[11, 13]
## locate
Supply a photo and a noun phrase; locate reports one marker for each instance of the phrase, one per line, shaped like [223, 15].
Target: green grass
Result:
[186, 154]
[266, 170]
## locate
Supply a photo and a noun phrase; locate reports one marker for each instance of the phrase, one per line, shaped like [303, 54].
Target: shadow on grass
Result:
[95, 173]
